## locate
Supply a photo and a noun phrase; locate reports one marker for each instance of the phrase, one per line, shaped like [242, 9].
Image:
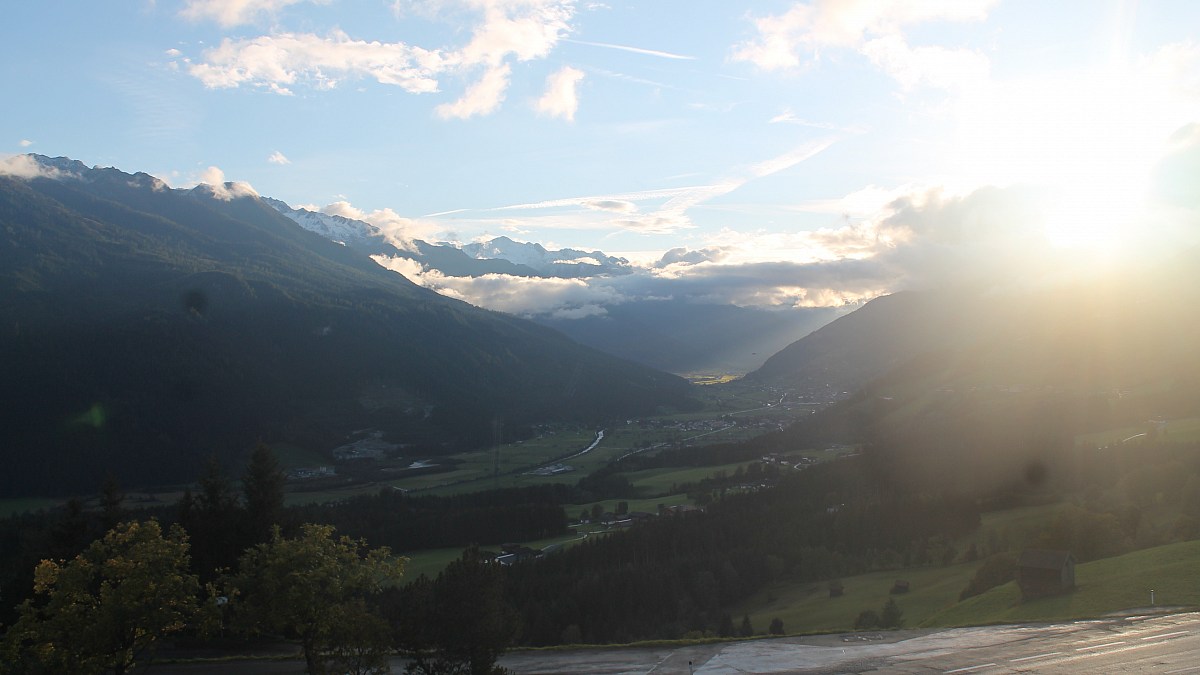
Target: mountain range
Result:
[677, 335]
[145, 328]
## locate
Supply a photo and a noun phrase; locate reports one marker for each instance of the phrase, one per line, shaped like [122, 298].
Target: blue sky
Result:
[799, 153]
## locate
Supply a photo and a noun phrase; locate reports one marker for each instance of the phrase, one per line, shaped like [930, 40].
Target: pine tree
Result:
[262, 489]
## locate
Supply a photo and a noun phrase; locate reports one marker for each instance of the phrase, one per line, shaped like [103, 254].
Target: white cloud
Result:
[25, 143]
[278, 157]
[613, 205]
[562, 95]
[523, 296]
[505, 29]
[278, 62]
[636, 50]
[933, 66]
[399, 230]
[684, 256]
[224, 190]
[230, 13]
[481, 98]
[671, 214]
[527, 29]
[795, 39]
[25, 166]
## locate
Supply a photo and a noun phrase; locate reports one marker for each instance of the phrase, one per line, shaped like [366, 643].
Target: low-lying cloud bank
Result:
[920, 238]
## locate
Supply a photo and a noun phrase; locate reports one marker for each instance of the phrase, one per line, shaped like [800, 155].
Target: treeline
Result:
[408, 523]
[678, 575]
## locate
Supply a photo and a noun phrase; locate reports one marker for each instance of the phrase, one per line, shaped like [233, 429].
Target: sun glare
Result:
[1091, 140]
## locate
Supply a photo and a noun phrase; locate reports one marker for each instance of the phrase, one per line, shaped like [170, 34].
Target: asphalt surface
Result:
[1168, 644]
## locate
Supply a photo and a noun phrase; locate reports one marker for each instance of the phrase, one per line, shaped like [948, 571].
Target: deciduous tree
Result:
[306, 587]
[106, 608]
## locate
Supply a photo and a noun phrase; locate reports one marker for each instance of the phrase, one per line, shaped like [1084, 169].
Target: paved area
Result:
[1167, 644]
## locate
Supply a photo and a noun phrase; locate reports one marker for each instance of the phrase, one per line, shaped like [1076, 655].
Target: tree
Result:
[891, 616]
[307, 586]
[262, 488]
[747, 629]
[111, 498]
[868, 618]
[464, 623]
[108, 606]
[996, 570]
[213, 519]
[776, 626]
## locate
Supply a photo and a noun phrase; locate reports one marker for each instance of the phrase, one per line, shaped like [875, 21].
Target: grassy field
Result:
[807, 607]
[646, 505]
[15, 505]
[659, 481]
[1184, 430]
[295, 457]
[1103, 586]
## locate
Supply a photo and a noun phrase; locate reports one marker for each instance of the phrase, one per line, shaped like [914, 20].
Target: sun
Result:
[1089, 140]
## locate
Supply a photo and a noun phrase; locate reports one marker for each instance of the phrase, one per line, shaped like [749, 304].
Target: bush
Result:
[997, 570]
[868, 618]
[776, 626]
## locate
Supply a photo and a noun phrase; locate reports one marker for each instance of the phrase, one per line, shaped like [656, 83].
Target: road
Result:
[1167, 644]
[1164, 644]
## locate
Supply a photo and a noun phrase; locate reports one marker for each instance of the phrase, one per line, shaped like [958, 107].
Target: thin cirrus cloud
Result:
[283, 61]
[672, 214]
[635, 50]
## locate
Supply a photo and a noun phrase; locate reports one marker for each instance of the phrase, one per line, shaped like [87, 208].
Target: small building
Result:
[900, 586]
[1042, 573]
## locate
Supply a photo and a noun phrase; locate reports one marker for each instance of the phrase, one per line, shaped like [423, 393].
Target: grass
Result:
[660, 481]
[295, 457]
[1103, 587]
[646, 505]
[1183, 430]
[16, 505]
[807, 607]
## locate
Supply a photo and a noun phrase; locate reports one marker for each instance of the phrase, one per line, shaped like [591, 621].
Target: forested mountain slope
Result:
[144, 328]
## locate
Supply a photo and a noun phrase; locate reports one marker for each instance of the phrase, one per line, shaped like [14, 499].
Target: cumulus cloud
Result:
[25, 143]
[278, 62]
[27, 167]
[230, 13]
[399, 230]
[523, 296]
[931, 66]
[684, 256]
[224, 190]
[481, 98]
[796, 39]
[561, 99]
[504, 30]
[278, 157]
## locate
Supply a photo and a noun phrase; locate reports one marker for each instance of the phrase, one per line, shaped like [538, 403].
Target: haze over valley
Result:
[403, 336]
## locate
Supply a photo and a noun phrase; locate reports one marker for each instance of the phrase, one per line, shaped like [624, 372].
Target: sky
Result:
[778, 153]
